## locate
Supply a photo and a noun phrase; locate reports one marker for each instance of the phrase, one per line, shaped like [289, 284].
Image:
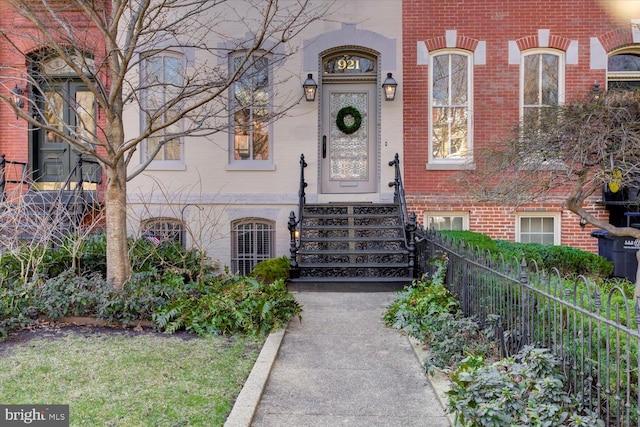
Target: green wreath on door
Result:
[345, 112]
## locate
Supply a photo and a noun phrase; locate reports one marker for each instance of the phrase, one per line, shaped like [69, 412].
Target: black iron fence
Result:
[595, 336]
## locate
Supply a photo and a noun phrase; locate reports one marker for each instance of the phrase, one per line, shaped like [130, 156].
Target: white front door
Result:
[348, 152]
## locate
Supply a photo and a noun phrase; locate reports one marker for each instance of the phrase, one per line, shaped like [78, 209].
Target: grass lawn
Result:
[129, 379]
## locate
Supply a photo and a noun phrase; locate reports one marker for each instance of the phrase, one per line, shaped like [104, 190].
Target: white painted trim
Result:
[543, 37]
[597, 55]
[635, 30]
[451, 36]
[447, 214]
[480, 54]
[557, 223]
[561, 73]
[572, 53]
[423, 53]
[349, 35]
[446, 165]
[221, 199]
[514, 53]
[251, 165]
[452, 163]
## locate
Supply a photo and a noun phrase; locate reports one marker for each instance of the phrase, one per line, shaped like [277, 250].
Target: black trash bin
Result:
[621, 251]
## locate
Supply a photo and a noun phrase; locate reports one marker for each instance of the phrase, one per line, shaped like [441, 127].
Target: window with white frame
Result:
[538, 227]
[623, 69]
[542, 86]
[252, 241]
[446, 220]
[162, 80]
[250, 102]
[450, 107]
[159, 230]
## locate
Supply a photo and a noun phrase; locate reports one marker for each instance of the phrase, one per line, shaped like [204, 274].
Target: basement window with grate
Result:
[252, 241]
[159, 230]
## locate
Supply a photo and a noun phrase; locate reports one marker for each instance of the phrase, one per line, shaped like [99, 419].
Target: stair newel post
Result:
[294, 270]
[411, 228]
[80, 172]
[3, 181]
[396, 181]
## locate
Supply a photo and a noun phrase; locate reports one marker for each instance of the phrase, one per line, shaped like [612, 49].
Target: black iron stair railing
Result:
[295, 225]
[78, 190]
[407, 219]
[3, 176]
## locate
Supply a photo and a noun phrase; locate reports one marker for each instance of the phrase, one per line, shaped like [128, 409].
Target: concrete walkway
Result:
[339, 366]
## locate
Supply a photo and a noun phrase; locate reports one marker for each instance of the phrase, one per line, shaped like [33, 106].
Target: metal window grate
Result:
[160, 230]
[252, 242]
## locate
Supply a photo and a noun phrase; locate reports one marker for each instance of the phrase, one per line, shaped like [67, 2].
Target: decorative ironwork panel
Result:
[377, 233]
[378, 244]
[376, 220]
[328, 232]
[349, 154]
[324, 259]
[381, 258]
[326, 210]
[375, 210]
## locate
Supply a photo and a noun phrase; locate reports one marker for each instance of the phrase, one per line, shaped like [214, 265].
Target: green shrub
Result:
[471, 238]
[228, 305]
[568, 260]
[270, 270]
[16, 306]
[453, 338]
[418, 305]
[93, 254]
[193, 264]
[70, 295]
[174, 285]
[527, 389]
[430, 313]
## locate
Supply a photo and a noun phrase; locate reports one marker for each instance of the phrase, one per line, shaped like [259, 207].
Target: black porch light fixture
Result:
[595, 92]
[17, 98]
[389, 86]
[310, 87]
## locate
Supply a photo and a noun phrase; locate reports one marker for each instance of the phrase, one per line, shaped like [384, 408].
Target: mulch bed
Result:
[43, 328]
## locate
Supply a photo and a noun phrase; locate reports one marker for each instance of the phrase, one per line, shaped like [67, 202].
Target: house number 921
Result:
[348, 64]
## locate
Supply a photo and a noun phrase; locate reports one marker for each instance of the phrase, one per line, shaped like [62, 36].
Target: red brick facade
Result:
[24, 41]
[496, 26]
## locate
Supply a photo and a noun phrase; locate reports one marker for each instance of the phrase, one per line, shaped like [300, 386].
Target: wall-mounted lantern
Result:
[310, 87]
[389, 86]
[17, 98]
[595, 92]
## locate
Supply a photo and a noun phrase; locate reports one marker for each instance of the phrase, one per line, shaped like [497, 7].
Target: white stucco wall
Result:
[223, 195]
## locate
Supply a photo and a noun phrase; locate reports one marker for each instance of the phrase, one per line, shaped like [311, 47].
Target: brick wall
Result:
[495, 90]
[14, 133]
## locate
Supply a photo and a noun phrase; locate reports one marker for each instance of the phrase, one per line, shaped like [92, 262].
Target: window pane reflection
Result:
[251, 105]
[450, 106]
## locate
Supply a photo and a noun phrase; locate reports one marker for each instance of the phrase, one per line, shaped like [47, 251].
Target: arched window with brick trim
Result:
[450, 106]
[541, 85]
[623, 69]
[252, 241]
